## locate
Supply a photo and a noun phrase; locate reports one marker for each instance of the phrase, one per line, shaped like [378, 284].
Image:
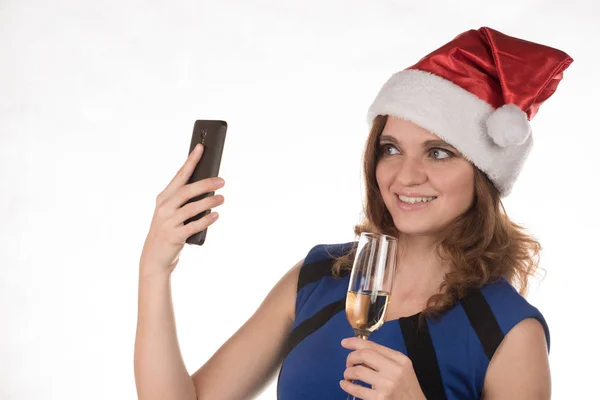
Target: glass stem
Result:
[359, 333]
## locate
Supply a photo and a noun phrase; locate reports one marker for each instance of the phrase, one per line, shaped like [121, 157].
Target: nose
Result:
[411, 171]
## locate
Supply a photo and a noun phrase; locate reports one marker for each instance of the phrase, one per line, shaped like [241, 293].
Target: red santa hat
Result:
[478, 93]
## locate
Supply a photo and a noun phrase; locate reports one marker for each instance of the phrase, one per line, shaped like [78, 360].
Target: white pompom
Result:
[508, 126]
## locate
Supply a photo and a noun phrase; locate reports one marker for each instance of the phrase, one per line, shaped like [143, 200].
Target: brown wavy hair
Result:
[482, 245]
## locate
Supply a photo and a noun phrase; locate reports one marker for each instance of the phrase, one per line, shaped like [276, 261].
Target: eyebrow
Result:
[428, 143]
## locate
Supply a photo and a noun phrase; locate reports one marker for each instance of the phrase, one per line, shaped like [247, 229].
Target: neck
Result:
[419, 269]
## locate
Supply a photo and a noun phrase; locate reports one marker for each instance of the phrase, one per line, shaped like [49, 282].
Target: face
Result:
[434, 182]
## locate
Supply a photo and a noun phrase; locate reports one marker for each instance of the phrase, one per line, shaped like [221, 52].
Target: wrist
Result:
[148, 273]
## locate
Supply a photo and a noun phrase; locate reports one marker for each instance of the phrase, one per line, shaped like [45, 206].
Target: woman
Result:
[448, 138]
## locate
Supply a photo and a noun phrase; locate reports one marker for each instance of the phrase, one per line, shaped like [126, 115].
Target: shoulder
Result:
[516, 341]
[323, 252]
[510, 308]
[318, 261]
[316, 285]
[520, 367]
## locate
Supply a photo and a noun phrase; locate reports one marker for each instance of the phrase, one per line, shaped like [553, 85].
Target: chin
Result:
[419, 226]
[418, 230]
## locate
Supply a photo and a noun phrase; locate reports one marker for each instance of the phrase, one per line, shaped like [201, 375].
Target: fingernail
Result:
[218, 181]
[197, 148]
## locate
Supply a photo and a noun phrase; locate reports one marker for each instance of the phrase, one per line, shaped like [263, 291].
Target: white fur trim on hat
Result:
[458, 117]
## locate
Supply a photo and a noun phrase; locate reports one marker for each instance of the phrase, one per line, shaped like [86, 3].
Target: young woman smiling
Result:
[448, 137]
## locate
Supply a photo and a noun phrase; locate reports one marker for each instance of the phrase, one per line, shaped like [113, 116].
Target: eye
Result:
[440, 154]
[382, 148]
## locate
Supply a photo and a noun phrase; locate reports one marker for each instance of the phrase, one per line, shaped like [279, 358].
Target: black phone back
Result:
[211, 133]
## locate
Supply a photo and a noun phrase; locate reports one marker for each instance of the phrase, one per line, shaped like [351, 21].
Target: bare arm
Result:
[240, 369]
[520, 369]
[245, 364]
[160, 372]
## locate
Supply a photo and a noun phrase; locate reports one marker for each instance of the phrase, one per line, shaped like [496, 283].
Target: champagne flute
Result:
[370, 284]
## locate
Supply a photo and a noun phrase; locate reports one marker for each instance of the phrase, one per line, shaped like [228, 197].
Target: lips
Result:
[412, 194]
[415, 206]
[416, 199]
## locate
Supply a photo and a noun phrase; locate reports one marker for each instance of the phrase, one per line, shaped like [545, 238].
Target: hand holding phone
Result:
[167, 233]
[182, 210]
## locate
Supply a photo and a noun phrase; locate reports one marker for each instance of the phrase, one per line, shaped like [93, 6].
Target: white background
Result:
[97, 105]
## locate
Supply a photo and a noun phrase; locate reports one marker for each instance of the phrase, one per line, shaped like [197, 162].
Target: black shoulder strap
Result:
[313, 272]
[422, 354]
[313, 323]
[483, 321]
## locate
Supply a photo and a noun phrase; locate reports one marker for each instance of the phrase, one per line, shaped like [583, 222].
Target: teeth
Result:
[413, 200]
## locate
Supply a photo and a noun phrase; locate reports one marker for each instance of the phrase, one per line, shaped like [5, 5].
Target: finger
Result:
[359, 344]
[194, 227]
[184, 173]
[371, 358]
[358, 391]
[188, 192]
[362, 373]
[194, 208]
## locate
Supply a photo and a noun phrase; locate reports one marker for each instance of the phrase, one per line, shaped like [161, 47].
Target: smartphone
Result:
[211, 133]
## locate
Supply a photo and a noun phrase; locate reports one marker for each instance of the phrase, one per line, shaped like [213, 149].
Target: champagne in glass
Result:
[366, 311]
[370, 283]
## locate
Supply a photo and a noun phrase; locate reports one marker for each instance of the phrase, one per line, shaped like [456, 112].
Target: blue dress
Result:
[450, 357]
